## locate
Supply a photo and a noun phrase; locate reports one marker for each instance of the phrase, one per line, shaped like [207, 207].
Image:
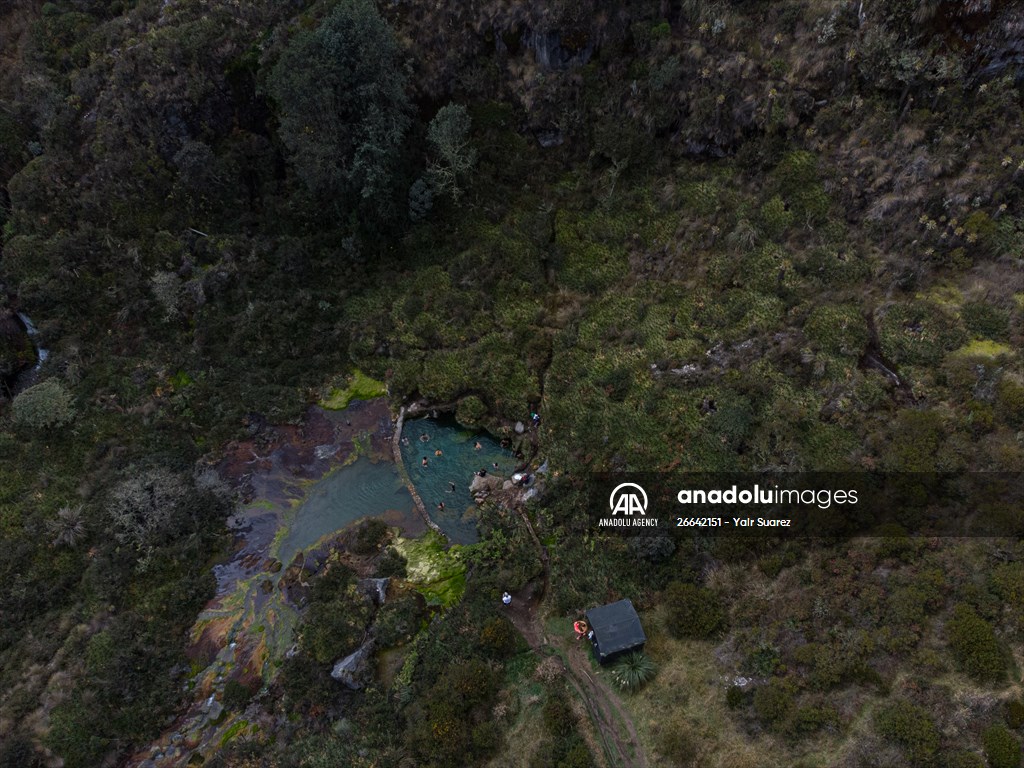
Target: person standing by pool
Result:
[506, 598]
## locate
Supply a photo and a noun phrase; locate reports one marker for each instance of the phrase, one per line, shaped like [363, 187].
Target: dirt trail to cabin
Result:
[610, 718]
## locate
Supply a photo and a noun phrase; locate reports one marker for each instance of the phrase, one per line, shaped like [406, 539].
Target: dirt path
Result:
[609, 717]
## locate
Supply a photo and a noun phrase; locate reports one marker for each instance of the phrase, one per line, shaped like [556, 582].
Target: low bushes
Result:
[912, 728]
[692, 612]
[975, 646]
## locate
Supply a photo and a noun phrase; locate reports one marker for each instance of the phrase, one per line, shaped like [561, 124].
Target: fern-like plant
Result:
[68, 529]
[633, 672]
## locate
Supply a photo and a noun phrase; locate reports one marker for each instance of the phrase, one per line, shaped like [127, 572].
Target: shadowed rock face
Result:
[16, 350]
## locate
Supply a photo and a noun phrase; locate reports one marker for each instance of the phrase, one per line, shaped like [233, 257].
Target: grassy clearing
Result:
[688, 694]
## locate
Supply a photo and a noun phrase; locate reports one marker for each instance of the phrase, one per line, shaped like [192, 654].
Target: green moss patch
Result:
[360, 387]
[984, 348]
[436, 571]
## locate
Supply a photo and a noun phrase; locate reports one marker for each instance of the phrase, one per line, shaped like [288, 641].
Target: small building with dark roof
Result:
[615, 630]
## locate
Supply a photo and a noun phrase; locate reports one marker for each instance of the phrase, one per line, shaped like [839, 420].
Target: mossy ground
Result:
[359, 387]
[436, 570]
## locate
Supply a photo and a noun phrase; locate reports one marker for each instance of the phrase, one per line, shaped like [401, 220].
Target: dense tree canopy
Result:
[340, 90]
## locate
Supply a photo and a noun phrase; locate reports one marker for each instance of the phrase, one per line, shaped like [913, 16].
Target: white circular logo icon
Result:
[628, 498]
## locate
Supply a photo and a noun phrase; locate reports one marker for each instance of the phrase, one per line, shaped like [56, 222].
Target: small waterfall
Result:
[33, 333]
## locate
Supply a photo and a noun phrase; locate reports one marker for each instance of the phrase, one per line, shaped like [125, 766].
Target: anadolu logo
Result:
[628, 498]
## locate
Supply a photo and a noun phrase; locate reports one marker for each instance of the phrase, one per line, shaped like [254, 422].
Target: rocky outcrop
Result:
[352, 671]
[482, 487]
[551, 53]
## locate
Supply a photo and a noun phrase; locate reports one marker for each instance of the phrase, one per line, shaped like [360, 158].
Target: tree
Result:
[343, 111]
[153, 506]
[448, 135]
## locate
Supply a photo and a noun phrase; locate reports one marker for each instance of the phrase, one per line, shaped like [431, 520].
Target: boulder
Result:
[485, 484]
[351, 671]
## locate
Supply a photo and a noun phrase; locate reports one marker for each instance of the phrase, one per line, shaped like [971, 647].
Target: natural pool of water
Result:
[458, 461]
[361, 489]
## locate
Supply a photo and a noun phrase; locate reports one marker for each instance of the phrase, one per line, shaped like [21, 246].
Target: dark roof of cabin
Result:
[616, 627]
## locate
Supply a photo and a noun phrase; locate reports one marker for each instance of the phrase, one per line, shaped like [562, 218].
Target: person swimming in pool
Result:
[439, 452]
[440, 506]
[477, 446]
[424, 438]
[451, 487]
[424, 462]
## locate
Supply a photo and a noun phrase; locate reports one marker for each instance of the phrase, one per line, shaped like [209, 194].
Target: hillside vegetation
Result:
[732, 235]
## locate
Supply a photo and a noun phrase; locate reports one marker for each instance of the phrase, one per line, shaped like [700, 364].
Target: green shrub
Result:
[337, 616]
[499, 638]
[392, 563]
[776, 217]
[369, 536]
[964, 759]
[633, 671]
[813, 718]
[399, 619]
[912, 728]
[557, 714]
[774, 702]
[1010, 400]
[984, 320]
[796, 179]
[734, 697]
[1002, 750]
[678, 746]
[838, 329]
[692, 612]
[918, 332]
[236, 695]
[45, 405]
[975, 646]
[17, 752]
[470, 411]
[1013, 713]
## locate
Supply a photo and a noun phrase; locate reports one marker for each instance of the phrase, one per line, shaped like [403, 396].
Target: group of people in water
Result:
[425, 462]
